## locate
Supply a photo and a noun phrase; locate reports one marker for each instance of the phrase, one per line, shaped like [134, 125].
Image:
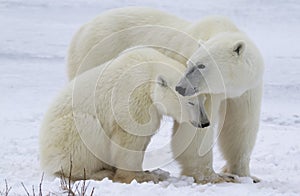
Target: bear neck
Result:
[140, 101]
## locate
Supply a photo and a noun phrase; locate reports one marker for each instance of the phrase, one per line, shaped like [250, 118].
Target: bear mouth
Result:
[200, 125]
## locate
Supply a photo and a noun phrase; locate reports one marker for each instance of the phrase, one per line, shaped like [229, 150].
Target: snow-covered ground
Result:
[33, 42]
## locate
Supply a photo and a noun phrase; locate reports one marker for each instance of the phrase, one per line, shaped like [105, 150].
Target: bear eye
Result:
[200, 66]
[191, 103]
[162, 82]
[192, 69]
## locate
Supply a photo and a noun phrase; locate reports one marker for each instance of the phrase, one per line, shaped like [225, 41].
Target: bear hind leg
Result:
[100, 175]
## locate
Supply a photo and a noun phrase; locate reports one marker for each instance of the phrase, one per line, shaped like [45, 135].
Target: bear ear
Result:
[162, 81]
[239, 47]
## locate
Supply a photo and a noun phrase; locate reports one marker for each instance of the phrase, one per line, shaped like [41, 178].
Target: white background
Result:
[34, 36]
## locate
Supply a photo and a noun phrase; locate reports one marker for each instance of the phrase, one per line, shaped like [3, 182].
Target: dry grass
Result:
[6, 190]
[73, 188]
[79, 188]
[40, 192]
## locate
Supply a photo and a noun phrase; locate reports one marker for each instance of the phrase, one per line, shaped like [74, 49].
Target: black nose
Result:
[206, 124]
[200, 125]
[180, 90]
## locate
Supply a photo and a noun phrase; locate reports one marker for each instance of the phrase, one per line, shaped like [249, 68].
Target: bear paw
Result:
[100, 175]
[142, 176]
[154, 176]
[162, 175]
[216, 178]
[254, 179]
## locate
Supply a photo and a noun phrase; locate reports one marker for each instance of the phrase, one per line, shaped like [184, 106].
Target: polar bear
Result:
[110, 33]
[106, 36]
[101, 123]
[230, 69]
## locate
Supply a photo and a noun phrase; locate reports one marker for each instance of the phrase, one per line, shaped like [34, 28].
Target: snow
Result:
[33, 44]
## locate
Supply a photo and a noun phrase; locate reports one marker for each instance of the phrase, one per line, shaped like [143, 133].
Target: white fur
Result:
[114, 31]
[226, 71]
[238, 133]
[234, 81]
[107, 113]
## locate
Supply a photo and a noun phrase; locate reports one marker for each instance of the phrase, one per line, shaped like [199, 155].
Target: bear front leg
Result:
[192, 148]
[239, 130]
[127, 154]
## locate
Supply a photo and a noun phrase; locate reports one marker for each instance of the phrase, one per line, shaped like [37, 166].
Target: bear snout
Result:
[200, 125]
[180, 90]
[206, 124]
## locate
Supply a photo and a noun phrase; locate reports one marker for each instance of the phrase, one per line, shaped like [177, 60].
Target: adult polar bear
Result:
[129, 27]
[241, 108]
[82, 124]
[119, 29]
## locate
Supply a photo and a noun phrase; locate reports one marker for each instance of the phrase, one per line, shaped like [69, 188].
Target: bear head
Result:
[228, 63]
[182, 109]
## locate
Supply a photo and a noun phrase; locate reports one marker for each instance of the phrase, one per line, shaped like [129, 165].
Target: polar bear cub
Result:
[104, 119]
